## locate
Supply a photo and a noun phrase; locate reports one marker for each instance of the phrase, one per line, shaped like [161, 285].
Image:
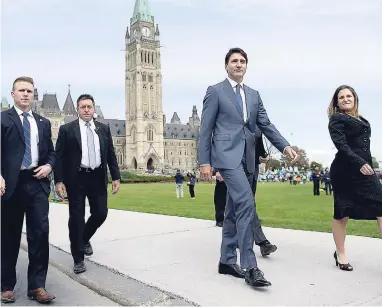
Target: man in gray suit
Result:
[231, 111]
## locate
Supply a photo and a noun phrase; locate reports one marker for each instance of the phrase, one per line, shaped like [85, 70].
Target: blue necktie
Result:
[239, 99]
[27, 161]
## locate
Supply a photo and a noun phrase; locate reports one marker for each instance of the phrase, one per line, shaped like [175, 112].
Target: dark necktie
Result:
[239, 99]
[27, 161]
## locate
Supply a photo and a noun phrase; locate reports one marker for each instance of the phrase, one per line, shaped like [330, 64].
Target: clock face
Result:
[146, 32]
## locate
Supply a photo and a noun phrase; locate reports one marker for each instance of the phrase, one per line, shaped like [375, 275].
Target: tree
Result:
[302, 160]
[274, 164]
[315, 164]
[272, 150]
[375, 163]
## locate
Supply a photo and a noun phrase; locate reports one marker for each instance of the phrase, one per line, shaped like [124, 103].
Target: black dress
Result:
[356, 196]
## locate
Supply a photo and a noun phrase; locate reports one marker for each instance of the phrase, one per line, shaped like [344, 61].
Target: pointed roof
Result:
[35, 94]
[194, 120]
[99, 112]
[157, 33]
[142, 12]
[49, 104]
[4, 102]
[69, 108]
[175, 119]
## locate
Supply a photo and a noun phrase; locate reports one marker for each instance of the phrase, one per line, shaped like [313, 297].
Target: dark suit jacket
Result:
[69, 153]
[259, 146]
[13, 148]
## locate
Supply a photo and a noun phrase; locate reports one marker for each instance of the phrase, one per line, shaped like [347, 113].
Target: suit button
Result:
[365, 129]
[364, 149]
[365, 139]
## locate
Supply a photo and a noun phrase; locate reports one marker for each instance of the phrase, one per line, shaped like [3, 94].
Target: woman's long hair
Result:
[333, 106]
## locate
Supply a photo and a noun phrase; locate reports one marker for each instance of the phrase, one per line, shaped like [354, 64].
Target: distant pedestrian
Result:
[179, 179]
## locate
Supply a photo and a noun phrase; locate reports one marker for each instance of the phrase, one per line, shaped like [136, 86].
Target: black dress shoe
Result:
[79, 267]
[231, 269]
[88, 249]
[219, 224]
[266, 248]
[255, 278]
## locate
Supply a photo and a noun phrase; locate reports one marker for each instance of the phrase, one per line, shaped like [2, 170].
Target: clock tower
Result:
[143, 91]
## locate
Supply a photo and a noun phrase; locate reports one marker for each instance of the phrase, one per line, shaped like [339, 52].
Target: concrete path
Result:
[180, 255]
[67, 291]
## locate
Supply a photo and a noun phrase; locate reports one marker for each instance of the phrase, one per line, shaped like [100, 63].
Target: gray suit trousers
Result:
[259, 234]
[240, 214]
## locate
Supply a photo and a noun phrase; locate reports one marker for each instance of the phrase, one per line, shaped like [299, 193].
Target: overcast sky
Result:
[299, 52]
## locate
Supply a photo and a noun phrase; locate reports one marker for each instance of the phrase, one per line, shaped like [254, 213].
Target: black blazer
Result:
[69, 153]
[259, 146]
[13, 148]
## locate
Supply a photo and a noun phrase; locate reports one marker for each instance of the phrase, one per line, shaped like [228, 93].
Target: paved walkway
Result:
[67, 291]
[180, 255]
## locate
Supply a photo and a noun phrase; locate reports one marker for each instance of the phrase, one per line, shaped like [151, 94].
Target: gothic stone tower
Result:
[143, 84]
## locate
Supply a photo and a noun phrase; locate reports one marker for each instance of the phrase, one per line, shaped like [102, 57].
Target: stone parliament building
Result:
[144, 140]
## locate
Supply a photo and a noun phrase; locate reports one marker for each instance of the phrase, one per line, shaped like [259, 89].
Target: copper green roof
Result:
[142, 12]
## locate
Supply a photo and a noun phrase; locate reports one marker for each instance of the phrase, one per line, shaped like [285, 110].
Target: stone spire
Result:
[194, 120]
[69, 109]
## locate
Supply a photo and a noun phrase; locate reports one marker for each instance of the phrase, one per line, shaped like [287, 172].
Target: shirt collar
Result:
[20, 112]
[234, 83]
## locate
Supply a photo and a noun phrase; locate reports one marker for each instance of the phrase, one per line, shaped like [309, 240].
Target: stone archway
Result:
[134, 163]
[150, 164]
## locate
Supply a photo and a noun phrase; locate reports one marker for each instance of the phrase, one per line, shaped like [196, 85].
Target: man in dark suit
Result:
[231, 111]
[27, 158]
[220, 198]
[316, 177]
[261, 156]
[84, 149]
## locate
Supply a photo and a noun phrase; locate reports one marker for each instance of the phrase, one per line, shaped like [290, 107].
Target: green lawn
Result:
[278, 205]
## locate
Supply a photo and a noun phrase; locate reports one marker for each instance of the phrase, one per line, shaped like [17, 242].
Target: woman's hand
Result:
[367, 170]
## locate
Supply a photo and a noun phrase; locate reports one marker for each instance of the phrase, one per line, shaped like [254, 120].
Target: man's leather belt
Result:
[88, 169]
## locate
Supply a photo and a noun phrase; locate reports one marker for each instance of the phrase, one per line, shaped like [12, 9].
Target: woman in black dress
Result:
[357, 190]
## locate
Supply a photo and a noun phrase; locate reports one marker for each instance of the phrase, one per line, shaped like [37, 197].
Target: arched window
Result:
[150, 135]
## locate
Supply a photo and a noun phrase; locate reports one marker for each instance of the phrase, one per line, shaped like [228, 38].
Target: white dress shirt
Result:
[242, 94]
[34, 136]
[84, 144]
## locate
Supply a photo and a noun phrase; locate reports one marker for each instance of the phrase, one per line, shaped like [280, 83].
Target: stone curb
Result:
[107, 282]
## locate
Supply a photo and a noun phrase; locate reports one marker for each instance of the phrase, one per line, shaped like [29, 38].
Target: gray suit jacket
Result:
[224, 134]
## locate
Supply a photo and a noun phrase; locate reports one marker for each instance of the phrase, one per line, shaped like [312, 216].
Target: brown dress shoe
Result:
[7, 297]
[40, 295]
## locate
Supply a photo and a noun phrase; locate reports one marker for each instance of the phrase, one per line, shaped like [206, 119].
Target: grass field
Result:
[278, 205]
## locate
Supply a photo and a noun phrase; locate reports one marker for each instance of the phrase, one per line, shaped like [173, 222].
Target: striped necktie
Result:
[27, 161]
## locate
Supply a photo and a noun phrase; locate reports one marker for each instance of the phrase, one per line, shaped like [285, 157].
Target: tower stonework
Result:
[143, 96]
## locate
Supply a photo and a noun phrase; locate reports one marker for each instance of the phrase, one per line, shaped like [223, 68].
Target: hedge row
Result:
[128, 177]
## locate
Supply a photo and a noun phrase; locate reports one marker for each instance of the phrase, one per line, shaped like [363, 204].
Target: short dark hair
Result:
[235, 50]
[85, 97]
[22, 79]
